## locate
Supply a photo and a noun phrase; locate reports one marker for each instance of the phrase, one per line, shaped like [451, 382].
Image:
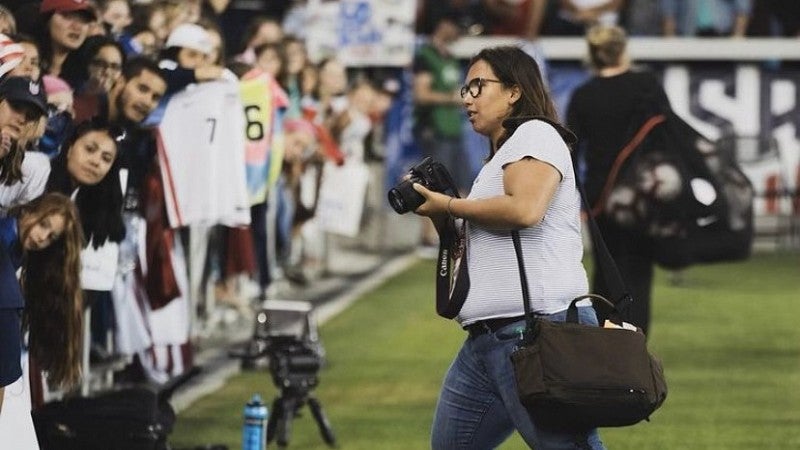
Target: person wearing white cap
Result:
[184, 61]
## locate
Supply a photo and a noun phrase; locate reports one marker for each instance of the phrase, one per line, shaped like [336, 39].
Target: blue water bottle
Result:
[254, 431]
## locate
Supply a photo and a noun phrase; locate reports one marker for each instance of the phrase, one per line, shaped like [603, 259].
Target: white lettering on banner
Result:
[362, 32]
[760, 106]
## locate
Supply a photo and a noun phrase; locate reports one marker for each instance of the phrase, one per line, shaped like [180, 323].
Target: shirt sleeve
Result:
[539, 140]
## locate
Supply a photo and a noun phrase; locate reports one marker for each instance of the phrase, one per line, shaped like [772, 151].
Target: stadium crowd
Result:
[105, 103]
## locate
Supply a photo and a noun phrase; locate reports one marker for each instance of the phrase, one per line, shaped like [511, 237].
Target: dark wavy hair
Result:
[514, 67]
[100, 205]
[75, 69]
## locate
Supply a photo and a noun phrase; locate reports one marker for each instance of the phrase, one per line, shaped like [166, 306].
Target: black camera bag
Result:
[571, 376]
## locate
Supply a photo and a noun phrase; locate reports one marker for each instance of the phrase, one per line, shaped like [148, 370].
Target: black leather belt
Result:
[490, 325]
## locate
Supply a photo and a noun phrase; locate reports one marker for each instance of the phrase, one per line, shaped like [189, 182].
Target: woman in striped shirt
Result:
[527, 184]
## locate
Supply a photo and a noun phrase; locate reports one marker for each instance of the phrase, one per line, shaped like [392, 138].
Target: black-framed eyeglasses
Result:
[105, 65]
[475, 85]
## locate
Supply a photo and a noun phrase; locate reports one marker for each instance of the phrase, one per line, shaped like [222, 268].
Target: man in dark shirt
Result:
[132, 98]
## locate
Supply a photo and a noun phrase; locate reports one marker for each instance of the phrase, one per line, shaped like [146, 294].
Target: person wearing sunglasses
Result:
[527, 184]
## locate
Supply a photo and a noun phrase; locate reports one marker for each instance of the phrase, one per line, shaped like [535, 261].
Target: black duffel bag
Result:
[126, 419]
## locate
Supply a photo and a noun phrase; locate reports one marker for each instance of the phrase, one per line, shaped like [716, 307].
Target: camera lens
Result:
[403, 198]
[397, 202]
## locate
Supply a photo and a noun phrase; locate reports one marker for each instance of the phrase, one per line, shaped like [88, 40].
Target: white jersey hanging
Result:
[201, 152]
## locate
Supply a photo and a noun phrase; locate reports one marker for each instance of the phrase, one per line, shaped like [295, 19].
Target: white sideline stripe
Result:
[209, 382]
[330, 309]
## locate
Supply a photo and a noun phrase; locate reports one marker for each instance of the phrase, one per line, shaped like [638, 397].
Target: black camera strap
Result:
[452, 277]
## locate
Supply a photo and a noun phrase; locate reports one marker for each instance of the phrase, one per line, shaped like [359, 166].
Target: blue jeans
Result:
[478, 406]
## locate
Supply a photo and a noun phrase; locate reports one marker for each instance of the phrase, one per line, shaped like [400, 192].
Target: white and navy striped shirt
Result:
[552, 249]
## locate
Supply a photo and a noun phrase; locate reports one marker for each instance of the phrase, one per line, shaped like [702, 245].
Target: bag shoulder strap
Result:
[621, 298]
[623, 155]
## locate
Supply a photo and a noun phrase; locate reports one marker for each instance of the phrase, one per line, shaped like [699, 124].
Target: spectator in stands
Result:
[360, 99]
[115, 15]
[301, 150]
[472, 16]
[95, 66]
[295, 21]
[217, 55]
[96, 26]
[573, 17]
[705, 17]
[262, 30]
[11, 55]
[42, 238]
[296, 61]
[135, 95]
[87, 170]
[22, 110]
[139, 41]
[147, 32]
[516, 18]
[601, 113]
[8, 25]
[66, 26]
[271, 58]
[175, 14]
[438, 119]
[242, 12]
[774, 18]
[642, 18]
[30, 66]
[60, 111]
[184, 61]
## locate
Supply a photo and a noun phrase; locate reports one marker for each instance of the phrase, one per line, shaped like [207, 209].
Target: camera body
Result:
[294, 364]
[429, 173]
[285, 333]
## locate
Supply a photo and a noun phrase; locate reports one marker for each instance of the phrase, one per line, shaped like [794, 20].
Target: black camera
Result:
[429, 173]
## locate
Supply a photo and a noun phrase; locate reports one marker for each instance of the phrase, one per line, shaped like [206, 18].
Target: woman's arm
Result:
[529, 186]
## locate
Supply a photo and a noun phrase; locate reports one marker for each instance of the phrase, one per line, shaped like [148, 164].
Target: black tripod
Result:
[294, 365]
[286, 407]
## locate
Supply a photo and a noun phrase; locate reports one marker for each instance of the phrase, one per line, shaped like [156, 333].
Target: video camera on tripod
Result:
[285, 333]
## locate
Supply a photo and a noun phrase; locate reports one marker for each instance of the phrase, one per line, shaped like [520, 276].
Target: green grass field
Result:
[729, 337]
